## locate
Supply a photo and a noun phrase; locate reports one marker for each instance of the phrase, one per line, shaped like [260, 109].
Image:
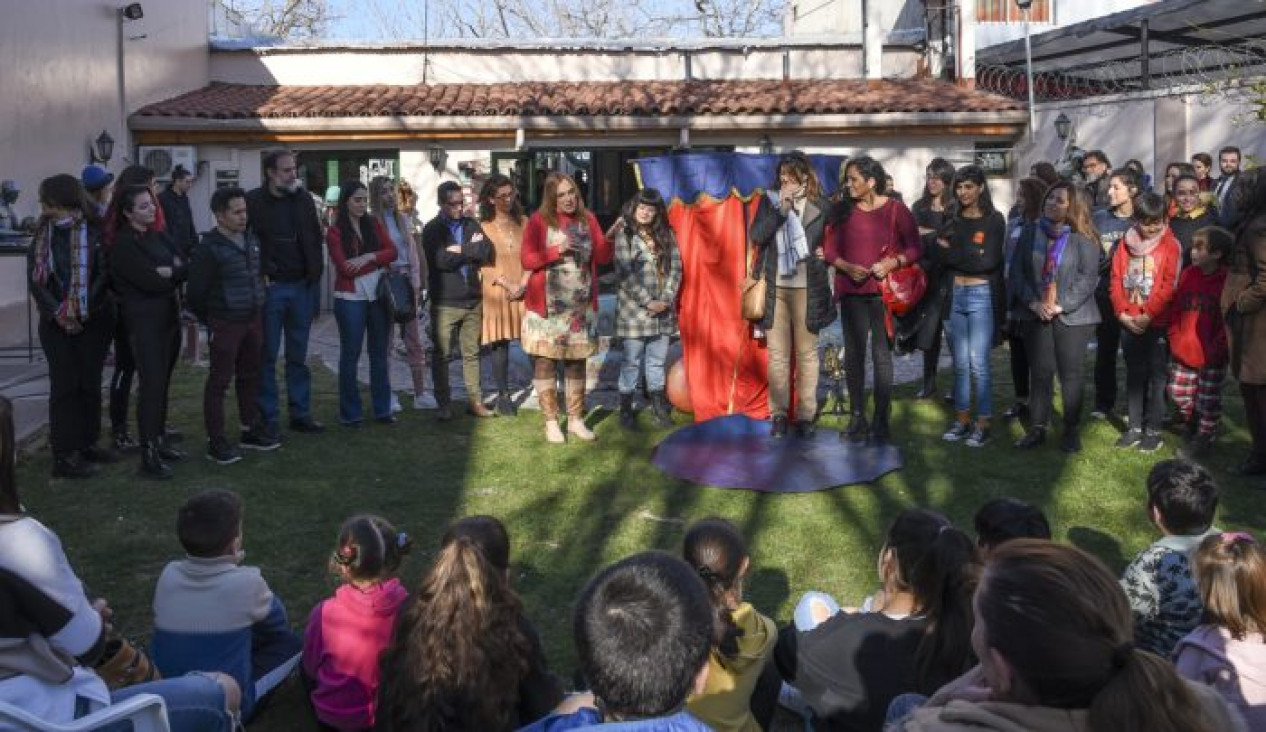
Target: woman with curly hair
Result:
[463, 656]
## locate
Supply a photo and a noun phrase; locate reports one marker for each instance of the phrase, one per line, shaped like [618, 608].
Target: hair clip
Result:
[402, 540]
[1230, 537]
[345, 555]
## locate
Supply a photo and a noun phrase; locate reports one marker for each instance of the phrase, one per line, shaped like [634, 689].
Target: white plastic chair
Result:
[147, 712]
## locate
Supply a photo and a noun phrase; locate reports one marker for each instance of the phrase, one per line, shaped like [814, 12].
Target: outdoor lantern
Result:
[438, 157]
[1063, 126]
[133, 11]
[766, 145]
[1024, 4]
[102, 149]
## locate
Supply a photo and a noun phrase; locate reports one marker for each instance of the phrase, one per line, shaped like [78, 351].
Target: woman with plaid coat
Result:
[648, 270]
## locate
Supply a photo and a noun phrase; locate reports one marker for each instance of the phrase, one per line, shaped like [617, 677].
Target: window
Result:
[1006, 11]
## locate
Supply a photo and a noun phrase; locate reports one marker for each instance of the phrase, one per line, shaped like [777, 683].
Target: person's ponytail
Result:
[1146, 695]
[943, 583]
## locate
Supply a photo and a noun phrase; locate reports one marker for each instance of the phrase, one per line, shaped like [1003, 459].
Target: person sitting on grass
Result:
[463, 655]
[1228, 650]
[52, 636]
[211, 614]
[1198, 348]
[1144, 279]
[1004, 519]
[1181, 501]
[347, 632]
[643, 631]
[912, 636]
[742, 638]
[1053, 637]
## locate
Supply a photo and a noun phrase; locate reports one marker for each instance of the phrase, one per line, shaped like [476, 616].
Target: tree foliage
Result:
[290, 20]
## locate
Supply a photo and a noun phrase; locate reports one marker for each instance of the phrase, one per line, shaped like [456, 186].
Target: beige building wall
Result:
[60, 90]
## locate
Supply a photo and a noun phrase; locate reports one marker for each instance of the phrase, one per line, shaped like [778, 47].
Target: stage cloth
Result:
[737, 452]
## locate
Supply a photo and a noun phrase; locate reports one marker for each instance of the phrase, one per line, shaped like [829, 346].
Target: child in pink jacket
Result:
[348, 631]
[1228, 652]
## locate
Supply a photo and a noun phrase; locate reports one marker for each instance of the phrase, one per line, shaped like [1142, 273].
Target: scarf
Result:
[1196, 213]
[793, 244]
[1057, 235]
[75, 292]
[1140, 247]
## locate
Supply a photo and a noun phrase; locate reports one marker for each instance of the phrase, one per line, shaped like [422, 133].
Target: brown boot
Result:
[576, 410]
[547, 396]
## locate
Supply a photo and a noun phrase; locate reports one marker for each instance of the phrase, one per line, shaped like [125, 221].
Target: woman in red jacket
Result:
[360, 248]
[1144, 280]
[563, 245]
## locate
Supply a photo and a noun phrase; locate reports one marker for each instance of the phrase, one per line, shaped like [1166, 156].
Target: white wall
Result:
[340, 67]
[60, 88]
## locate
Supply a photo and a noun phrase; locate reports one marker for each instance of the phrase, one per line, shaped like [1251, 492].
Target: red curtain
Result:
[725, 365]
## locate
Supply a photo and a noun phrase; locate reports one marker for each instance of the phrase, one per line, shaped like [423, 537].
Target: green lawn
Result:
[571, 509]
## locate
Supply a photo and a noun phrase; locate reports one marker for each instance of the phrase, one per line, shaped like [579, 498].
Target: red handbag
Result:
[904, 286]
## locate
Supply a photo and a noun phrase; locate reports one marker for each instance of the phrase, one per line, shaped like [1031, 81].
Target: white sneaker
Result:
[395, 405]
[424, 402]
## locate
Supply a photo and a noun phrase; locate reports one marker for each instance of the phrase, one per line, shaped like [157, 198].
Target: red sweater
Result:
[1165, 260]
[386, 254]
[1197, 332]
[865, 237]
[536, 256]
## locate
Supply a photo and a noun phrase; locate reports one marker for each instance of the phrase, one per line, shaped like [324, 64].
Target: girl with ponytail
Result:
[914, 635]
[742, 638]
[1055, 641]
[463, 656]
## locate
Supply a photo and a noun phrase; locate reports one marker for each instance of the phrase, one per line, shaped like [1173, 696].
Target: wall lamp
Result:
[438, 157]
[102, 149]
[1063, 126]
[132, 11]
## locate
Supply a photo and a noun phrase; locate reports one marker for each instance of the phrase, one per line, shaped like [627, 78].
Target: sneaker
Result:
[259, 439]
[99, 455]
[395, 404]
[1100, 413]
[1131, 438]
[72, 465]
[1151, 442]
[125, 442]
[307, 425]
[223, 452]
[957, 431]
[1032, 439]
[979, 436]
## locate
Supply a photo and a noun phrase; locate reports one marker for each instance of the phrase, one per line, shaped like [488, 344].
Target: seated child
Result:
[643, 632]
[1004, 519]
[211, 614]
[1164, 599]
[1197, 340]
[742, 638]
[347, 632]
[1228, 650]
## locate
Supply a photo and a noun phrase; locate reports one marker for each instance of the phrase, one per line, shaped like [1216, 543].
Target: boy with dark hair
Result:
[1144, 279]
[226, 292]
[643, 631]
[1004, 519]
[210, 614]
[1181, 501]
[1197, 340]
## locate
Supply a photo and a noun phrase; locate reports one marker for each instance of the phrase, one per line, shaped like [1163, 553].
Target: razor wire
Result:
[1218, 72]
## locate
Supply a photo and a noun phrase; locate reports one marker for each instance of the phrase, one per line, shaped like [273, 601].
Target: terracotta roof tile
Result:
[234, 101]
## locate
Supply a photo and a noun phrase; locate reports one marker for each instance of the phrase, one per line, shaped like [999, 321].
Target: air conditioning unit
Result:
[162, 159]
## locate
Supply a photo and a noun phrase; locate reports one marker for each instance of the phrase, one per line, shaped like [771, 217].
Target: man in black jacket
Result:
[455, 247]
[284, 218]
[226, 292]
[179, 216]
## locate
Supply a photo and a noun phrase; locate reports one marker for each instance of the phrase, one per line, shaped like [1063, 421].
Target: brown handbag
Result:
[752, 290]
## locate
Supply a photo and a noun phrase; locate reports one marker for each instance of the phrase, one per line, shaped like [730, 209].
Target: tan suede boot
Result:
[547, 396]
[576, 410]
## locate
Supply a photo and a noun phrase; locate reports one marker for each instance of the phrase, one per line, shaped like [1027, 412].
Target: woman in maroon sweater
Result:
[878, 236]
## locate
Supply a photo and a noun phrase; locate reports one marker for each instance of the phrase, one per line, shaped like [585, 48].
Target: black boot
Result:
[857, 431]
[152, 465]
[72, 465]
[505, 405]
[929, 380]
[628, 417]
[167, 452]
[662, 410]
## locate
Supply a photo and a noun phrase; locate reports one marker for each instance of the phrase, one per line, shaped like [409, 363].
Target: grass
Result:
[572, 509]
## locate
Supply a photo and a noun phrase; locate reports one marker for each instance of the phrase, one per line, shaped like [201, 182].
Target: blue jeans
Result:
[902, 706]
[970, 330]
[803, 615]
[655, 350]
[195, 703]
[356, 319]
[289, 307]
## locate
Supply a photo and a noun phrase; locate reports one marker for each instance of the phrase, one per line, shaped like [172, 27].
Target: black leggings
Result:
[1107, 340]
[862, 317]
[1146, 371]
[500, 352]
[155, 328]
[1019, 365]
[1054, 348]
[121, 377]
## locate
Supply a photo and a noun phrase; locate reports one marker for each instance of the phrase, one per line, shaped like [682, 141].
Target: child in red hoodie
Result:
[1197, 339]
[1144, 279]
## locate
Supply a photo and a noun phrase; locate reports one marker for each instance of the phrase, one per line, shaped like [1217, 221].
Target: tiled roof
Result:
[637, 98]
